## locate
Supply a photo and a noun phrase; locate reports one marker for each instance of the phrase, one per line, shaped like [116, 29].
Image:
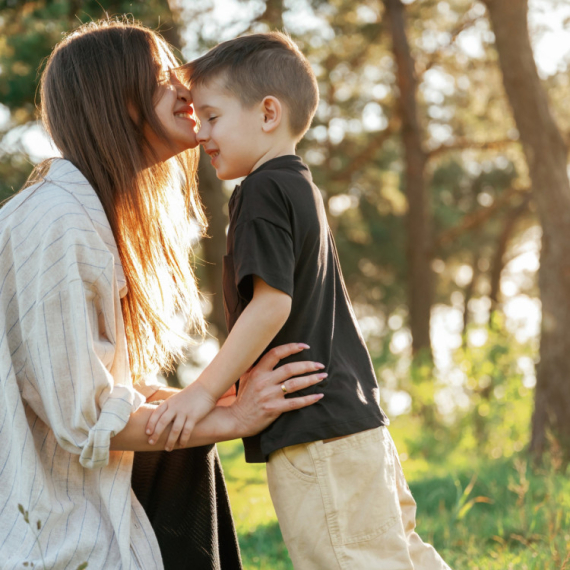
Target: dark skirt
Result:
[185, 497]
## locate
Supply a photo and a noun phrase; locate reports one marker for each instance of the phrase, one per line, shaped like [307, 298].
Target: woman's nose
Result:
[184, 94]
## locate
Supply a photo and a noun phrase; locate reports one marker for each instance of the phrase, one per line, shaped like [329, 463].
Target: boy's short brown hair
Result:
[258, 65]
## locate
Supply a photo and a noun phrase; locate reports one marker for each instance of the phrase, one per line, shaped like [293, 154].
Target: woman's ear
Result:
[272, 113]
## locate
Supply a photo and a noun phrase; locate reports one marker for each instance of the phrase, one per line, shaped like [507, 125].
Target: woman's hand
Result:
[261, 397]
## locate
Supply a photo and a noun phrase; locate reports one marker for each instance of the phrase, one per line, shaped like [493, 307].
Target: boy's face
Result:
[229, 132]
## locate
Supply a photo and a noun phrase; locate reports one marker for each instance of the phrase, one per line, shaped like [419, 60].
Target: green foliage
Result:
[488, 399]
[498, 386]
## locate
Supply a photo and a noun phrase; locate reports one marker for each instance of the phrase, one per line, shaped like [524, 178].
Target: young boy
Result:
[333, 471]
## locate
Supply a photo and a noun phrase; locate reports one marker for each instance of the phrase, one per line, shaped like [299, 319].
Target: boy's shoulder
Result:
[283, 178]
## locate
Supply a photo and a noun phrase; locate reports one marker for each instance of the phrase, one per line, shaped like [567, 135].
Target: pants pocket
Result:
[356, 477]
[295, 494]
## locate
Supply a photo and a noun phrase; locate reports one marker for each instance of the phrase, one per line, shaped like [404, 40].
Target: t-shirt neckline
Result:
[279, 161]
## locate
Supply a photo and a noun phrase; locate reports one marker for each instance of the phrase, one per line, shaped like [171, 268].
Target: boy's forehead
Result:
[211, 94]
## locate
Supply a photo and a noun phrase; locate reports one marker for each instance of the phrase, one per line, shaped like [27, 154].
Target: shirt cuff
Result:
[115, 413]
[148, 386]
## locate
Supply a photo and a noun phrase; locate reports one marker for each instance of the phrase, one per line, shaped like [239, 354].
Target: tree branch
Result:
[479, 217]
[360, 160]
[454, 34]
[466, 144]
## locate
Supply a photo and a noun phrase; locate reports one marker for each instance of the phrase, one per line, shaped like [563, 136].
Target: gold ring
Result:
[284, 388]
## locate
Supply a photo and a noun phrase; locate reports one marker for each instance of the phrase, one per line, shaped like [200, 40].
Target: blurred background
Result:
[441, 148]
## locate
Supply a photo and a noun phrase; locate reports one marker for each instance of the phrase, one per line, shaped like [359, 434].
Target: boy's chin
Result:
[224, 175]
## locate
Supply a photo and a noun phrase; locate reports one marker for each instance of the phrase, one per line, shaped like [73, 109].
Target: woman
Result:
[93, 267]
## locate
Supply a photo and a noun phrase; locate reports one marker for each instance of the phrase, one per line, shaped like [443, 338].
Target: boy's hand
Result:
[184, 410]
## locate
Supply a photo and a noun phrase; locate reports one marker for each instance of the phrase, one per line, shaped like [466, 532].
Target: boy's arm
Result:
[256, 327]
[254, 330]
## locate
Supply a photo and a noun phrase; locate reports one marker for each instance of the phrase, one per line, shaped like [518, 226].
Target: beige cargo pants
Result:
[345, 505]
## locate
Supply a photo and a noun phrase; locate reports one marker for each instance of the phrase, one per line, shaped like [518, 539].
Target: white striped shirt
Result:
[65, 385]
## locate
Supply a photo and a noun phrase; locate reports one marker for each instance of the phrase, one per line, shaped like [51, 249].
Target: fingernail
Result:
[303, 345]
[168, 448]
[148, 431]
[319, 396]
[322, 375]
[151, 441]
[319, 365]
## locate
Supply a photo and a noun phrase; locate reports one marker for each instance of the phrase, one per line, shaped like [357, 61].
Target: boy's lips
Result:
[213, 154]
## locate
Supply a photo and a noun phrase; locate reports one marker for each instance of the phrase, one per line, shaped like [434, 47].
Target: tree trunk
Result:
[273, 14]
[214, 247]
[418, 218]
[546, 155]
[498, 264]
[470, 291]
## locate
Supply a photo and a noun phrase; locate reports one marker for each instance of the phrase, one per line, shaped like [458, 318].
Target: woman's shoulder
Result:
[60, 209]
[47, 198]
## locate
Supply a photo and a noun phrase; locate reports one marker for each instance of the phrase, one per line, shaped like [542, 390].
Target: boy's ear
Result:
[272, 113]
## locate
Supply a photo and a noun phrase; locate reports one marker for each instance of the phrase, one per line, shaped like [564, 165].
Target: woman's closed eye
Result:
[164, 78]
[212, 118]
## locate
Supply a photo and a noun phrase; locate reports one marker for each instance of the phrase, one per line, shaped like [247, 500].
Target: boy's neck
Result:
[284, 149]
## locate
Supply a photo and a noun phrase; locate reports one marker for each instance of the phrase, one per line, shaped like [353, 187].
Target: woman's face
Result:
[175, 113]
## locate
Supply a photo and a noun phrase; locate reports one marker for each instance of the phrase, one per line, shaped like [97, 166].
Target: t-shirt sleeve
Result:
[263, 239]
[261, 248]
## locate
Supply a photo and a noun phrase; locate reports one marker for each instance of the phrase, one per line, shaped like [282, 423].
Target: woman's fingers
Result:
[295, 369]
[289, 404]
[295, 384]
[272, 358]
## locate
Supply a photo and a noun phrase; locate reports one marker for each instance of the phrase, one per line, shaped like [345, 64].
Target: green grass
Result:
[480, 513]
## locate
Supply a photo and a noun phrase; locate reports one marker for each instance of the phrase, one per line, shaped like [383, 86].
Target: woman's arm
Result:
[260, 401]
[219, 425]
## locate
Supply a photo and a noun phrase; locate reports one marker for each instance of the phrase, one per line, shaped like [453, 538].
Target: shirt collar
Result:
[288, 161]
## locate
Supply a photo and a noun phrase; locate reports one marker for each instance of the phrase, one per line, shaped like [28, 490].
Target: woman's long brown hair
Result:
[92, 79]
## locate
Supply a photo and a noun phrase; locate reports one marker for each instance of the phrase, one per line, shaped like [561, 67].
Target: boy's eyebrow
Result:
[204, 107]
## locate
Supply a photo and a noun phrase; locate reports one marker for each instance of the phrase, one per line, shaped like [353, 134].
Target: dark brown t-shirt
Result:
[279, 232]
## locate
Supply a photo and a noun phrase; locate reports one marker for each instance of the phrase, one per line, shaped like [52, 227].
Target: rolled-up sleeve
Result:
[78, 354]
[149, 385]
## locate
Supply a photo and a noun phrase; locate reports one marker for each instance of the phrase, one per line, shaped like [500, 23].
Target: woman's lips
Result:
[185, 117]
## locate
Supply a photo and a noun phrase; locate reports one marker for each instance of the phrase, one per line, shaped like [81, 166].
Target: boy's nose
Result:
[201, 135]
